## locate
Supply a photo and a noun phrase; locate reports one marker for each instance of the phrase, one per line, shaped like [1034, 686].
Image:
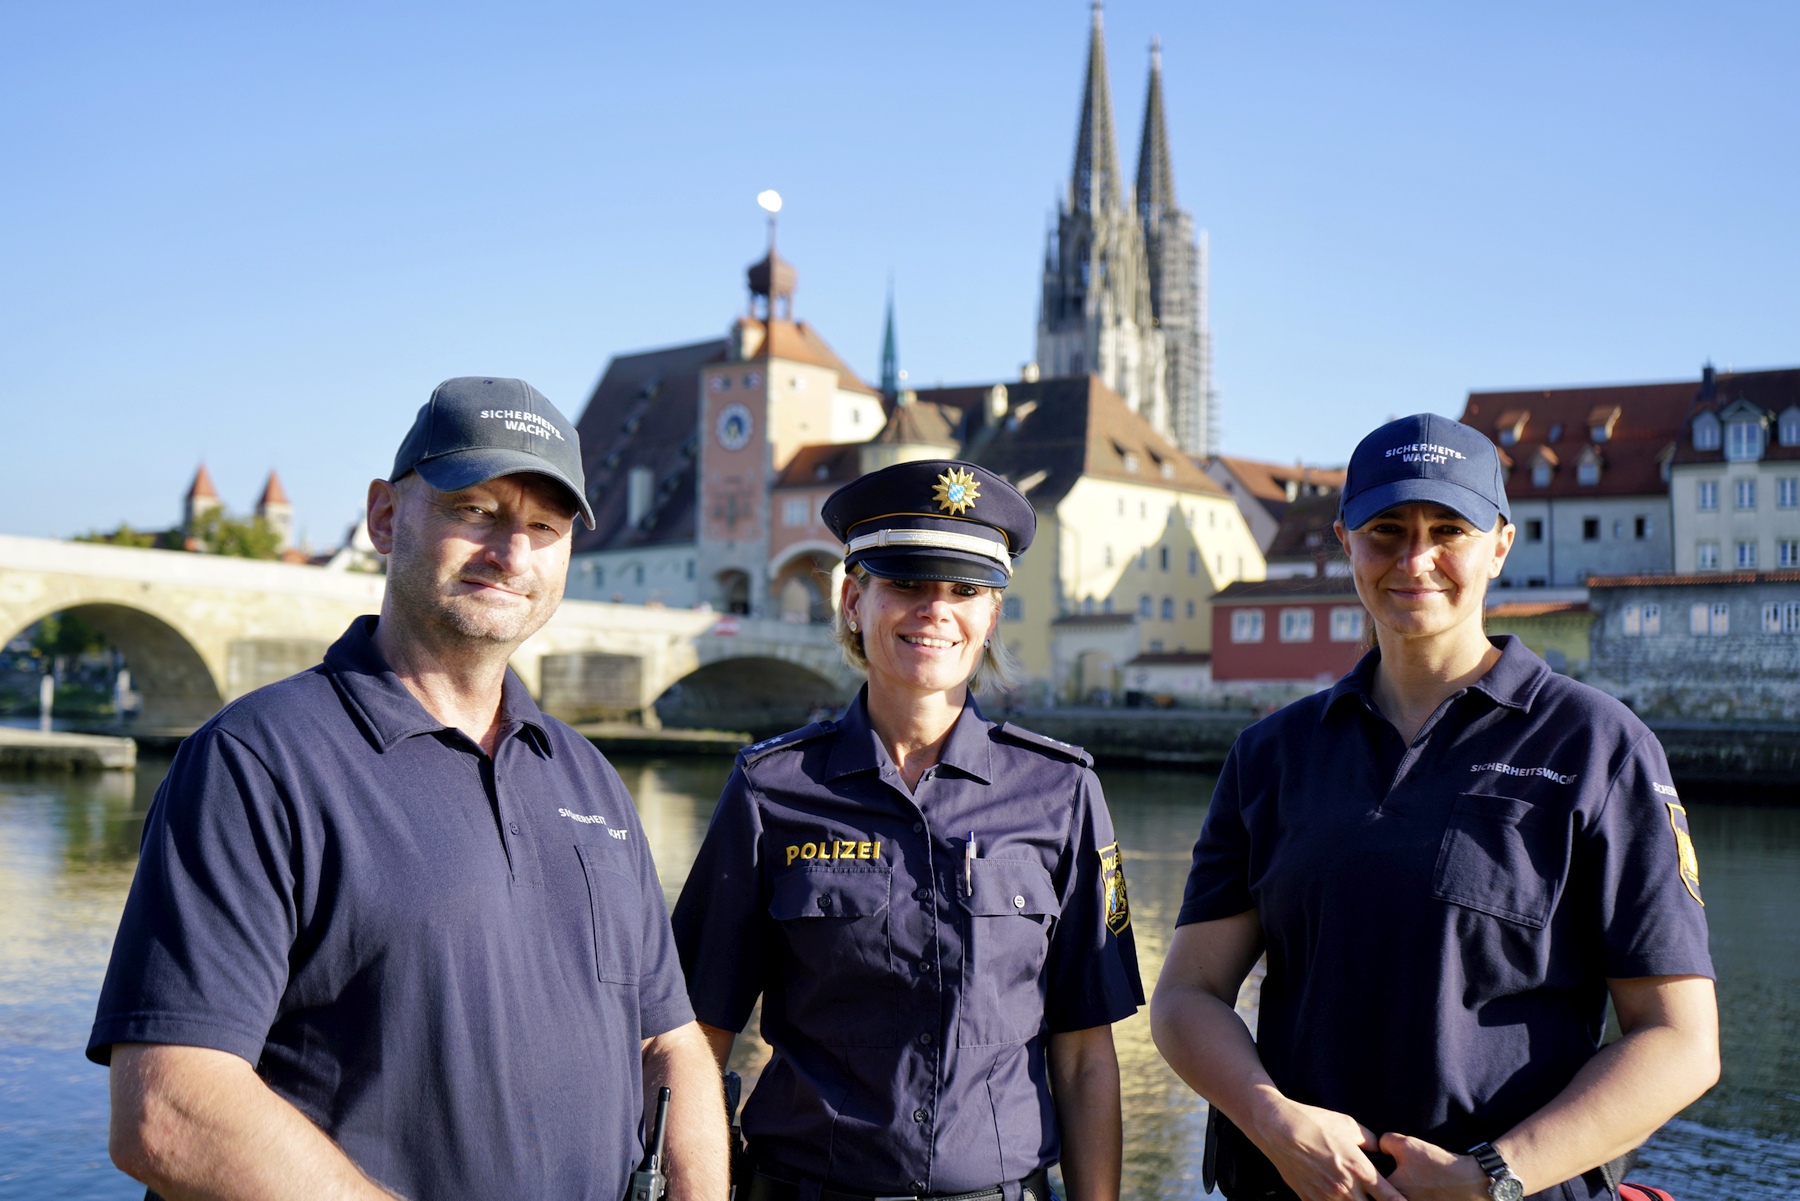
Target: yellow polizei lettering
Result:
[793, 852]
[877, 849]
[862, 850]
[809, 851]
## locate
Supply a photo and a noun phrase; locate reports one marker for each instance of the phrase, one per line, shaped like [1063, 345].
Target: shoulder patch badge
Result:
[1689, 862]
[1112, 875]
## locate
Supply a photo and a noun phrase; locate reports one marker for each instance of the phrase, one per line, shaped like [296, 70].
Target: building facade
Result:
[1735, 479]
[1296, 629]
[1124, 278]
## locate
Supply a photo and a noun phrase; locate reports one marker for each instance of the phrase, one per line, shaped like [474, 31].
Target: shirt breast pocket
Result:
[837, 976]
[1013, 907]
[614, 906]
[1502, 857]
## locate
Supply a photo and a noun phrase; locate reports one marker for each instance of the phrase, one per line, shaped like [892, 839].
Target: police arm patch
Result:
[1688, 863]
[1112, 875]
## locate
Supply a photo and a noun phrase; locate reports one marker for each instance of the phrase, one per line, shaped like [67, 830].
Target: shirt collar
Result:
[1514, 680]
[390, 713]
[859, 748]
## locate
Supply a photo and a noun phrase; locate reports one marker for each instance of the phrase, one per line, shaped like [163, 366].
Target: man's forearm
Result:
[200, 1125]
[694, 1155]
[1084, 1079]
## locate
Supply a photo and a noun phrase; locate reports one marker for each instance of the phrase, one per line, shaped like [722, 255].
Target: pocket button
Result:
[1018, 902]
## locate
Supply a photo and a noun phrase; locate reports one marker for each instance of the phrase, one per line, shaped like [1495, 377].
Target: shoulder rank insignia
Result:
[1043, 742]
[1688, 863]
[956, 491]
[1112, 874]
[769, 746]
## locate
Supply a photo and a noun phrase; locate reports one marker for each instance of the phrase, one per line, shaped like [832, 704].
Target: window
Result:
[1618, 529]
[1534, 529]
[1109, 556]
[1156, 644]
[1194, 561]
[1587, 474]
[1540, 475]
[1706, 556]
[1162, 557]
[1787, 553]
[690, 569]
[1590, 529]
[1296, 625]
[1746, 556]
[1143, 558]
[1781, 617]
[1706, 432]
[794, 511]
[1247, 625]
[1190, 608]
[638, 574]
[1744, 495]
[1743, 441]
[1346, 624]
[1012, 608]
[1640, 527]
[1106, 605]
[1168, 608]
[1713, 619]
[1787, 492]
[1145, 606]
[1642, 621]
[1087, 604]
[1789, 431]
[1706, 495]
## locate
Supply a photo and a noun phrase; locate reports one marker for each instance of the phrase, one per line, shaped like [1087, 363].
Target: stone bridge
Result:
[197, 631]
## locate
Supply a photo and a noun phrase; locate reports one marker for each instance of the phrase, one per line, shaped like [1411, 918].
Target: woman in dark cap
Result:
[1453, 859]
[929, 905]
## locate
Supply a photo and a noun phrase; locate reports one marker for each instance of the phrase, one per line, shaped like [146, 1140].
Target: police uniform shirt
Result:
[448, 962]
[1441, 918]
[908, 991]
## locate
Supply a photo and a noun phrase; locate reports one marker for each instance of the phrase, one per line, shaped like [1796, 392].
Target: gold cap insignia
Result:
[956, 491]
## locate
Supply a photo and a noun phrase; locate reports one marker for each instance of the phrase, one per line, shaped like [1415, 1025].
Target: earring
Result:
[986, 642]
[853, 627]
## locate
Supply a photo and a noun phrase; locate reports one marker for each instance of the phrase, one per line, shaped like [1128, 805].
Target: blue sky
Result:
[258, 234]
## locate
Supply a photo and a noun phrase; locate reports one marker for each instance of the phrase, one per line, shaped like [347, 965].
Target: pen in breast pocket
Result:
[969, 865]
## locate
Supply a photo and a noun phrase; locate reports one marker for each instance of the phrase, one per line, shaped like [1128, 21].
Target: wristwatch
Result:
[1502, 1184]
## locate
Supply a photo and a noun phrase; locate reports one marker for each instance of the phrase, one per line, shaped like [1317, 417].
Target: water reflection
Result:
[68, 845]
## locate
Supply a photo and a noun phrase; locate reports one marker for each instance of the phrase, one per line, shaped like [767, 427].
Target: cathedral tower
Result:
[1097, 316]
[1177, 281]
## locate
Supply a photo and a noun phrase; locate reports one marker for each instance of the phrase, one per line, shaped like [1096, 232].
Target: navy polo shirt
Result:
[907, 990]
[1441, 918]
[446, 961]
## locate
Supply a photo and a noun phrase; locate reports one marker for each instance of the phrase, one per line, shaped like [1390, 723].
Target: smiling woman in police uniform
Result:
[931, 906]
[1452, 859]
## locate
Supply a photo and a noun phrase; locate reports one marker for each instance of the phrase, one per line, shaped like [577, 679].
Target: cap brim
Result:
[1471, 506]
[945, 565]
[466, 468]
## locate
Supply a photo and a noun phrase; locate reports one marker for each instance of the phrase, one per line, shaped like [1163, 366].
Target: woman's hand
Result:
[1426, 1172]
[1322, 1154]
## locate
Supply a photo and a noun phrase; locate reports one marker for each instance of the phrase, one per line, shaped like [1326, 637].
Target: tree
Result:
[222, 535]
[124, 536]
[65, 634]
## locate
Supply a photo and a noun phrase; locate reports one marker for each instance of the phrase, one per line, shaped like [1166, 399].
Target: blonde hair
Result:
[998, 671]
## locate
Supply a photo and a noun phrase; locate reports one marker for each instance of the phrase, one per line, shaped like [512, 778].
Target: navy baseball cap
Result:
[475, 429]
[934, 519]
[1425, 458]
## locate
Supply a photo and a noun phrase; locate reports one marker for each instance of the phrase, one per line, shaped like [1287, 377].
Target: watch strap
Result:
[1490, 1160]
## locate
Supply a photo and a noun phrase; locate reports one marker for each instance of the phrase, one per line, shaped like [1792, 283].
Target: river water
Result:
[68, 846]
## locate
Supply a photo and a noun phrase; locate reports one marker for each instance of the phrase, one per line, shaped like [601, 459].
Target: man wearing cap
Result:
[394, 932]
[931, 907]
[1453, 859]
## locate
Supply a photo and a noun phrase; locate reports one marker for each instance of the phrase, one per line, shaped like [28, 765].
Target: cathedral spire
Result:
[1095, 187]
[1155, 177]
[890, 358]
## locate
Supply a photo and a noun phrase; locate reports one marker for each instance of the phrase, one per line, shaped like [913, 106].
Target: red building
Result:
[1305, 628]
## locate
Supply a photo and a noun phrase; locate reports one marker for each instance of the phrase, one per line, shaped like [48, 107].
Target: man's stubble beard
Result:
[413, 583]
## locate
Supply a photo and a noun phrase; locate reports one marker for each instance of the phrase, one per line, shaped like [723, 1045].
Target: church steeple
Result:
[890, 358]
[1095, 187]
[1155, 177]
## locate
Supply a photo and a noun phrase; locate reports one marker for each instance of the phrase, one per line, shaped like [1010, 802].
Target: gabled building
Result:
[1586, 476]
[1735, 475]
[1263, 491]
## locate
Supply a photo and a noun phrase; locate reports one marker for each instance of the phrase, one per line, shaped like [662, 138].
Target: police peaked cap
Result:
[936, 519]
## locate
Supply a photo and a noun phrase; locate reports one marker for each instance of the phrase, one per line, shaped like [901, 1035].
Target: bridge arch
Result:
[179, 690]
[761, 694]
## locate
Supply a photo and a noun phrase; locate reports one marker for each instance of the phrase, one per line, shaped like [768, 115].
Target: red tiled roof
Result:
[1268, 481]
[799, 342]
[1774, 392]
[273, 493]
[1170, 658]
[1298, 587]
[1537, 608]
[202, 487]
[841, 463]
[1648, 422]
[1693, 579]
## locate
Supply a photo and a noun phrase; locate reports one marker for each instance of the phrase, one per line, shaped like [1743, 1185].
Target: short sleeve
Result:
[201, 957]
[1218, 883]
[662, 989]
[1653, 921]
[1092, 973]
[718, 916]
